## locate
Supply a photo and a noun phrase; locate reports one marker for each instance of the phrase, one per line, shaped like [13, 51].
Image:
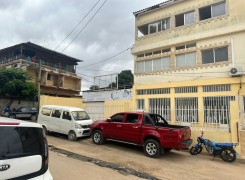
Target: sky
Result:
[48, 22]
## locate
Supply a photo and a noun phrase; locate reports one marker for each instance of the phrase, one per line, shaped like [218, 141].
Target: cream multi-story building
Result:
[56, 72]
[189, 65]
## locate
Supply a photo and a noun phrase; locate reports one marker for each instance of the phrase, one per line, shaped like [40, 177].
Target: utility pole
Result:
[39, 83]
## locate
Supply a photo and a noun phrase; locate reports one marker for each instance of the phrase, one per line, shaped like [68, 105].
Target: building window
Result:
[154, 27]
[184, 19]
[188, 59]
[217, 109]
[190, 89]
[140, 66]
[140, 104]
[49, 77]
[215, 55]
[186, 46]
[186, 109]
[212, 11]
[153, 65]
[217, 88]
[148, 66]
[153, 91]
[160, 106]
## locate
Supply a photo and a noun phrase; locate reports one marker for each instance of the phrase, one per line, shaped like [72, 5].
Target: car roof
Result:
[63, 107]
[4, 121]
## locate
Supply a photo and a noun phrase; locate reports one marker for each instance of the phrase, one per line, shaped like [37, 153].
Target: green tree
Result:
[16, 82]
[125, 80]
[94, 87]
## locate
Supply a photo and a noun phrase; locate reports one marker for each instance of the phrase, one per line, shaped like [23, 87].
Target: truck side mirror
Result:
[108, 119]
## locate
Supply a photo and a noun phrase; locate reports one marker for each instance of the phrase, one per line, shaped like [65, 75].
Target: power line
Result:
[108, 58]
[85, 25]
[77, 24]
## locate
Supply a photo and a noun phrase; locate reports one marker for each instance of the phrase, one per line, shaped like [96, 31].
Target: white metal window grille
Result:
[153, 91]
[217, 109]
[160, 106]
[186, 109]
[140, 104]
[217, 88]
[188, 89]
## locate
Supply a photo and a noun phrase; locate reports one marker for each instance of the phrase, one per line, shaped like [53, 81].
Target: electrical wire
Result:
[77, 24]
[107, 58]
[85, 26]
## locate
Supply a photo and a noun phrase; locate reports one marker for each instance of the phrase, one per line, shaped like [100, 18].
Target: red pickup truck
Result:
[149, 130]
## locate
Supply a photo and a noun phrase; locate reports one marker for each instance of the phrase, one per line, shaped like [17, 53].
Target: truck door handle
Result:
[135, 127]
[119, 125]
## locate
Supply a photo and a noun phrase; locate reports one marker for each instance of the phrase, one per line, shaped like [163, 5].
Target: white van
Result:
[23, 150]
[72, 121]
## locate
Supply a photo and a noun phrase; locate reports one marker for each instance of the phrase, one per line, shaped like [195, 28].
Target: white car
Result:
[23, 150]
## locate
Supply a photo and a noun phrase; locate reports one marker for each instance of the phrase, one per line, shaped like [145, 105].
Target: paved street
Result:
[173, 165]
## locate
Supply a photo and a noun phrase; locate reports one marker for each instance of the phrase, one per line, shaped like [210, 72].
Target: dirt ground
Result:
[172, 165]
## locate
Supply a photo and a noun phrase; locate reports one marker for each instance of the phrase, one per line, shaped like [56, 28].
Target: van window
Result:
[20, 142]
[56, 113]
[46, 112]
[66, 115]
[80, 115]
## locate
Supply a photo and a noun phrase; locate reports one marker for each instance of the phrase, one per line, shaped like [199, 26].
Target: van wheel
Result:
[72, 136]
[33, 118]
[152, 148]
[45, 130]
[98, 137]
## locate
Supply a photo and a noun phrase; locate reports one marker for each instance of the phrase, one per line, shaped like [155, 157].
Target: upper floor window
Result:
[155, 27]
[187, 59]
[215, 55]
[212, 11]
[184, 19]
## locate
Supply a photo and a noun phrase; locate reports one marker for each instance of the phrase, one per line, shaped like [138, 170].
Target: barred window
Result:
[217, 109]
[217, 88]
[189, 89]
[140, 104]
[186, 109]
[160, 106]
[153, 91]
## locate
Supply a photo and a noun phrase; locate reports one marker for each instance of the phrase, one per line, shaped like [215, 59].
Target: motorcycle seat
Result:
[224, 144]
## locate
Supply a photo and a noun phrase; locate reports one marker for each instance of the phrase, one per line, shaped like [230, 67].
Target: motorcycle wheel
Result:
[195, 150]
[228, 155]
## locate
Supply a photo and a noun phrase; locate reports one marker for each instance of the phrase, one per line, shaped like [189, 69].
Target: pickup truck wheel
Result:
[72, 136]
[45, 130]
[98, 137]
[33, 118]
[152, 148]
[12, 116]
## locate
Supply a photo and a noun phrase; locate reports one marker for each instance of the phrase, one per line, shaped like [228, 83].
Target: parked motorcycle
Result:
[225, 151]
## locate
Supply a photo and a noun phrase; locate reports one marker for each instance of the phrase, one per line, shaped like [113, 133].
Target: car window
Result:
[20, 142]
[33, 109]
[66, 115]
[132, 118]
[117, 118]
[148, 121]
[46, 112]
[56, 113]
[80, 115]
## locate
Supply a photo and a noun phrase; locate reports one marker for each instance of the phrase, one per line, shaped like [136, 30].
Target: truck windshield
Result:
[20, 142]
[80, 115]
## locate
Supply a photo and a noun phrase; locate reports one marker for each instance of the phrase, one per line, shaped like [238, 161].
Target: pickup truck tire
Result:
[12, 116]
[152, 148]
[98, 137]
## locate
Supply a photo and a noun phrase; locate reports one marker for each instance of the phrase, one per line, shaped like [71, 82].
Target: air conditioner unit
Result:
[235, 71]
